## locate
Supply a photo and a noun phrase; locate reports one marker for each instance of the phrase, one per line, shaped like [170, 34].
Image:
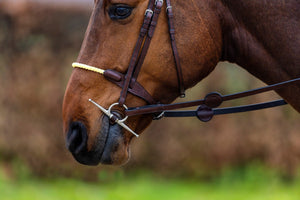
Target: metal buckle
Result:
[110, 115]
[169, 7]
[162, 1]
[149, 10]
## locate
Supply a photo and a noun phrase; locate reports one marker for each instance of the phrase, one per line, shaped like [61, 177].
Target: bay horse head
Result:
[202, 28]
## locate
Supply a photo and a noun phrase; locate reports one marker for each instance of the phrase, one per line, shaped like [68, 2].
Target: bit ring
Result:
[111, 115]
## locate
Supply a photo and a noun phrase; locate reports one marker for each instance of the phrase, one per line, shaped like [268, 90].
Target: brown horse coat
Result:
[261, 36]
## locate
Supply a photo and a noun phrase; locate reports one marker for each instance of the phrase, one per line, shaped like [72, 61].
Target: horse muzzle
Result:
[108, 148]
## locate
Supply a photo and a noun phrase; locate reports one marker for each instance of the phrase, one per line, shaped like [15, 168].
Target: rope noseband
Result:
[88, 67]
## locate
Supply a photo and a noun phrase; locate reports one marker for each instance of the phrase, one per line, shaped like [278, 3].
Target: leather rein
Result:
[128, 82]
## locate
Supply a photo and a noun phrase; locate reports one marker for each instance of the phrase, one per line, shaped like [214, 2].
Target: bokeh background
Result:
[254, 155]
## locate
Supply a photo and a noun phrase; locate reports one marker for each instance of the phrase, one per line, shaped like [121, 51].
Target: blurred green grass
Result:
[250, 183]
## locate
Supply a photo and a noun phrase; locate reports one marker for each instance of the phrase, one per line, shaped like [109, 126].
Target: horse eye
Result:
[119, 12]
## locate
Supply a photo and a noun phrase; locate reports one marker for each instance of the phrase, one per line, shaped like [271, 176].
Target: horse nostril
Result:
[77, 138]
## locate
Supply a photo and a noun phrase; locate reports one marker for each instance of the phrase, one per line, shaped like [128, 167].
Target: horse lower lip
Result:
[86, 158]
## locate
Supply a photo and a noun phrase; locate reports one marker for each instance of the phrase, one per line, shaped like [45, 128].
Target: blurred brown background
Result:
[39, 41]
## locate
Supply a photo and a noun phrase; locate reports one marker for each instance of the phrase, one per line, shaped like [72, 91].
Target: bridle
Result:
[128, 82]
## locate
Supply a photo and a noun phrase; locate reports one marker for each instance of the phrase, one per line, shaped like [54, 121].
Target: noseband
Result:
[128, 82]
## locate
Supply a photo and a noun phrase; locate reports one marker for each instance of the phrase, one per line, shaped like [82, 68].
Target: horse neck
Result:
[262, 38]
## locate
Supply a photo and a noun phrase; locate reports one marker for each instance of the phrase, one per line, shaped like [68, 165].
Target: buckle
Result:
[162, 2]
[168, 7]
[149, 10]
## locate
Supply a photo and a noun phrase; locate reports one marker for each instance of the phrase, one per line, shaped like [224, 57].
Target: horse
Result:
[262, 37]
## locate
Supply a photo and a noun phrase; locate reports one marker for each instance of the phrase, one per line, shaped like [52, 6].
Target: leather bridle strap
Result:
[174, 48]
[148, 28]
[136, 89]
[142, 49]
[205, 113]
[147, 42]
[212, 100]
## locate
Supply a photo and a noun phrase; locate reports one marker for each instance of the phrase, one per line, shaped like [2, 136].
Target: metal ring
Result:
[110, 114]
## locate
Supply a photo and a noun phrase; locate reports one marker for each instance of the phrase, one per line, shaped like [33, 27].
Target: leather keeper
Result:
[204, 113]
[112, 75]
[213, 100]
